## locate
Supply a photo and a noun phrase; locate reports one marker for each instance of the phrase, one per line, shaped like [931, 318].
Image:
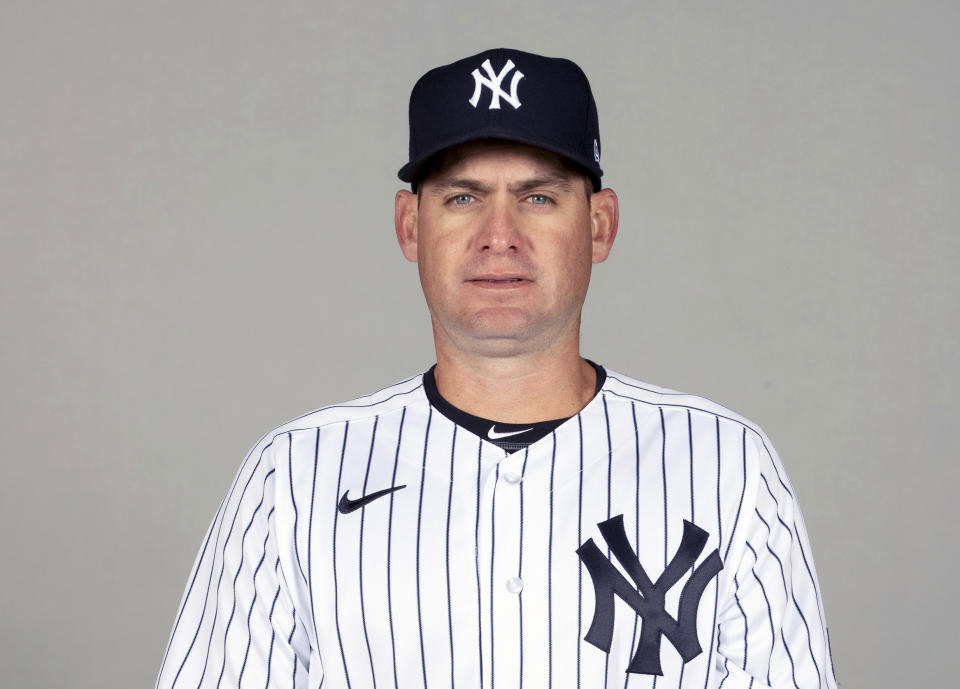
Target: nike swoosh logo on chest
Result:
[346, 505]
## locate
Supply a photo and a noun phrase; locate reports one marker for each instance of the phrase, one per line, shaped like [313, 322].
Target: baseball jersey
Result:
[651, 540]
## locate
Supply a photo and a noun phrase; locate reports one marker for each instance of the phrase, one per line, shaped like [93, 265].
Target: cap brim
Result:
[412, 171]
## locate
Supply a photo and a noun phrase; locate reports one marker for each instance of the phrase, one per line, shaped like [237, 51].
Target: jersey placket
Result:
[500, 560]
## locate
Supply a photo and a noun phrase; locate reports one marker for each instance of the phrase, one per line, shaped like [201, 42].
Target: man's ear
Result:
[405, 219]
[604, 220]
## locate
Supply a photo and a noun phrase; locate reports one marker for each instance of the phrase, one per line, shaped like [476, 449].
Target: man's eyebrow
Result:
[442, 185]
[558, 182]
[445, 184]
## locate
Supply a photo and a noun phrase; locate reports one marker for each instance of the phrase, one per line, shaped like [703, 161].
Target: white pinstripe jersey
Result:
[469, 575]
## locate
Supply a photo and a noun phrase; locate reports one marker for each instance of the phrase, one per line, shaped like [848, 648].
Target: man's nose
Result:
[501, 227]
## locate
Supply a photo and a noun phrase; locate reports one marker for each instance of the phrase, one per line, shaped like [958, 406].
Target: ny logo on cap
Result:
[492, 81]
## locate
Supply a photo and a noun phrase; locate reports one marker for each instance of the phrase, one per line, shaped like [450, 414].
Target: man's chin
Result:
[502, 323]
[500, 338]
[499, 332]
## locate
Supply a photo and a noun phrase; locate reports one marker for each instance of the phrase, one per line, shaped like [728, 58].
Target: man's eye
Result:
[461, 199]
[538, 199]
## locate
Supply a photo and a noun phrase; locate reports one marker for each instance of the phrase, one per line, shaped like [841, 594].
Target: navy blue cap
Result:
[508, 95]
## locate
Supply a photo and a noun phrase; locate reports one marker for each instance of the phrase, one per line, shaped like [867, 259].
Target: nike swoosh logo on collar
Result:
[347, 505]
[494, 435]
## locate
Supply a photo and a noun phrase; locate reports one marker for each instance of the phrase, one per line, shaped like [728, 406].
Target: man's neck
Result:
[517, 389]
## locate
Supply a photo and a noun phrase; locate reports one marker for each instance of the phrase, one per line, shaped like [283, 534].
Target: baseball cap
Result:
[508, 95]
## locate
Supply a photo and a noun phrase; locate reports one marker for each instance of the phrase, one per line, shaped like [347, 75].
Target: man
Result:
[517, 515]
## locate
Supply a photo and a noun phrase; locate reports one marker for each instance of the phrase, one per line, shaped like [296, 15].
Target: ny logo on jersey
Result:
[647, 598]
[492, 81]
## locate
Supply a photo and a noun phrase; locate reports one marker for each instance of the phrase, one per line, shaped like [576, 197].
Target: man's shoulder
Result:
[385, 401]
[651, 395]
[758, 450]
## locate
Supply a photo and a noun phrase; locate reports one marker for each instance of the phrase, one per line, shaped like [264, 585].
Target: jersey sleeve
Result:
[772, 631]
[237, 625]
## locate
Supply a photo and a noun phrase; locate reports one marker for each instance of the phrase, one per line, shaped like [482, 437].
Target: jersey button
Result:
[511, 477]
[514, 584]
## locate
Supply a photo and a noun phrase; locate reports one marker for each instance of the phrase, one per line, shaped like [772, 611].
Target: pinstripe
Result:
[423, 474]
[746, 624]
[313, 502]
[793, 668]
[253, 602]
[683, 667]
[693, 517]
[493, 551]
[580, 540]
[393, 482]
[813, 579]
[773, 635]
[766, 543]
[636, 518]
[777, 503]
[663, 467]
[336, 596]
[523, 474]
[233, 608]
[453, 446]
[293, 501]
[363, 514]
[726, 673]
[813, 657]
[714, 629]
[776, 471]
[476, 550]
[273, 630]
[719, 464]
[553, 464]
[606, 419]
[743, 492]
[829, 650]
[293, 628]
[273, 636]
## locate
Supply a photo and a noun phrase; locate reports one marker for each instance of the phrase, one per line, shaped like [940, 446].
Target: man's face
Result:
[504, 237]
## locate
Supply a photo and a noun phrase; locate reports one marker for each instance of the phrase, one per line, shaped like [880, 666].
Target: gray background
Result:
[197, 244]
